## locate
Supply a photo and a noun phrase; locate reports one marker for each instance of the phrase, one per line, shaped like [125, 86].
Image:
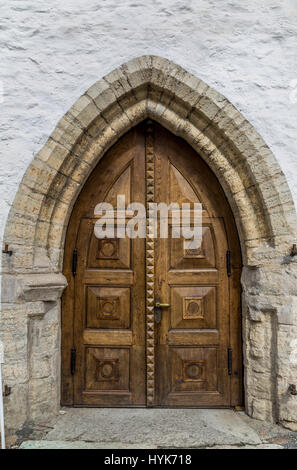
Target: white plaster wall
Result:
[51, 52]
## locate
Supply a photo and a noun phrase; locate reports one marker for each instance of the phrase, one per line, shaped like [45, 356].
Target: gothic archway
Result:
[253, 183]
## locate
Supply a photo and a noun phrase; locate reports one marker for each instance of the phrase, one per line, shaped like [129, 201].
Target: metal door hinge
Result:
[229, 361]
[7, 251]
[7, 391]
[292, 389]
[228, 262]
[73, 361]
[74, 262]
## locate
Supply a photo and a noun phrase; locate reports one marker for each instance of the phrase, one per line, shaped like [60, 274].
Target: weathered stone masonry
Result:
[257, 192]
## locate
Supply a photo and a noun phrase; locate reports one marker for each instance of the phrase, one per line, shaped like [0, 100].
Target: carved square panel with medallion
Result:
[107, 369]
[193, 369]
[109, 252]
[107, 307]
[108, 248]
[193, 307]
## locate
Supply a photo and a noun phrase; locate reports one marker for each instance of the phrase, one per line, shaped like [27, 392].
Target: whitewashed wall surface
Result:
[51, 52]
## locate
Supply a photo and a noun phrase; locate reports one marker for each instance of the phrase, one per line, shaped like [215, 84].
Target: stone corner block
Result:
[287, 313]
[46, 287]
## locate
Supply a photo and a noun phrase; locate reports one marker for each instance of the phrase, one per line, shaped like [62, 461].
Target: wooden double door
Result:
[119, 347]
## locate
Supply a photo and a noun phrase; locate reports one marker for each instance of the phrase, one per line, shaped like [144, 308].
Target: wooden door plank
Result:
[193, 277]
[193, 337]
[108, 277]
[108, 338]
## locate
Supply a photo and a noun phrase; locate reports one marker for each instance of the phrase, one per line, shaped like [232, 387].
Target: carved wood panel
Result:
[114, 253]
[193, 370]
[189, 258]
[193, 307]
[107, 369]
[108, 307]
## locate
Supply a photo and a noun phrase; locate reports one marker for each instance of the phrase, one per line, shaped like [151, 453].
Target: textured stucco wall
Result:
[51, 53]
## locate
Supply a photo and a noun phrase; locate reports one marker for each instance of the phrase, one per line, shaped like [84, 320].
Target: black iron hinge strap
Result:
[229, 361]
[74, 262]
[73, 361]
[228, 262]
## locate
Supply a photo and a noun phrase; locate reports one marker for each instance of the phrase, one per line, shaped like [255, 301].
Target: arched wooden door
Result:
[114, 350]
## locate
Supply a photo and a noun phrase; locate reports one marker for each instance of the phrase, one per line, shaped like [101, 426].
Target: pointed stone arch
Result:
[254, 184]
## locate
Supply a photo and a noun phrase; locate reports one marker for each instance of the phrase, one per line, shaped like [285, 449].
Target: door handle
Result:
[158, 309]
